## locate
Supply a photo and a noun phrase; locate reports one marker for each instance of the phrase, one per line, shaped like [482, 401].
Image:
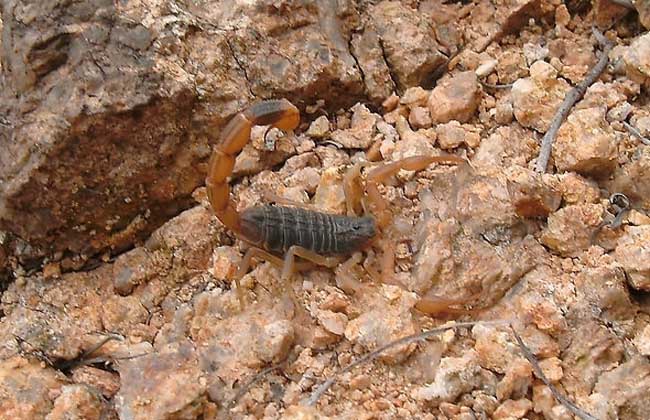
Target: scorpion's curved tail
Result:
[280, 113]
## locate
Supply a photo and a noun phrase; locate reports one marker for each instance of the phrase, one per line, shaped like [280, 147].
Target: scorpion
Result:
[318, 238]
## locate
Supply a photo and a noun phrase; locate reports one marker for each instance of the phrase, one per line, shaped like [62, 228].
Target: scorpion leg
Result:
[378, 206]
[259, 253]
[277, 113]
[435, 305]
[380, 174]
[298, 251]
[245, 264]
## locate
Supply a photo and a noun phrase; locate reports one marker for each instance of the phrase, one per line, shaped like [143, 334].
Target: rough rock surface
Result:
[633, 252]
[158, 330]
[456, 98]
[118, 107]
[637, 60]
[585, 144]
[536, 98]
[27, 388]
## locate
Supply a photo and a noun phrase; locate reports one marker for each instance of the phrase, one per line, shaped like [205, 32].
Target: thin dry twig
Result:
[244, 389]
[636, 133]
[491, 86]
[579, 412]
[313, 399]
[83, 359]
[570, 99]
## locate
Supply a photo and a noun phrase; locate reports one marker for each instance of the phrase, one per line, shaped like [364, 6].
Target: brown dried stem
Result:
[636, 133]
[313, 399]
[577, 411]
[244, 389]
[570, 99]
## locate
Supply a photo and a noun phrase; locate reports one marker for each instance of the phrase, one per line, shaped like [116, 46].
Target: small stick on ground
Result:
[636, 133]
[244, 389]
[313, 399]
[83, 359]
[491, 86]
[570, 99]
[579, 412]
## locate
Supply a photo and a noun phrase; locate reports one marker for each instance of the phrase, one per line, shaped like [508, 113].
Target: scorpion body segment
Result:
[318, 238]
[281, 114]
[278, 228]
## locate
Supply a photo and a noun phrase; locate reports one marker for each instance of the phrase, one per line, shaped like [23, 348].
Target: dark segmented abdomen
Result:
[284, 227]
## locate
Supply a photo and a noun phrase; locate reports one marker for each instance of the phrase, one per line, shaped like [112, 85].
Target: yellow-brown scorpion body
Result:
[273, 230]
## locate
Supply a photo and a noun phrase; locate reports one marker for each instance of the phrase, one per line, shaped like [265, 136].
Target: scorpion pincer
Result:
[273, 230]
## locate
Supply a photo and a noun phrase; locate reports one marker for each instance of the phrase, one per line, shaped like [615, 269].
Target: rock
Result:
[415, 97]
[453, 134]
[455, 376]
[633, 253]
[132, 269]
[79, 402]
[570, 229]
[601, 95]
[319, 128]
[420, 117]
[512, 66]
[507, 146]
[123, 314]
[119, 113]
[108, 383]
[585, 144]
[545, 314]
[517, 380]
[577, 189]
[642, 341]
[604, 287]
[484, 403]
[608, 12]
[385, 319]
[330, 195]
[535, 99]
[456, 98]
[367, 49]
[28, 388]
[513, 409]
[552, 369]
[626, 179]
[620, 112]
[332, 321]
[530, 194]
[543, 399]
[412, 143]
[265, 150]
[494, 348]
[158, 385]
[303, 412]
[534, 52]
[225, 262]
[627, 388]
[408, 43]
[643, 8]
[593, 351]
[504, 113]
[275, 342]
[637, 59]
[390, 103]
[485, 68]
[361, 133]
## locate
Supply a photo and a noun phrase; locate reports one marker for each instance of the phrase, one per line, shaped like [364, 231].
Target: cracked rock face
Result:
[131, 99]
[110, 116]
